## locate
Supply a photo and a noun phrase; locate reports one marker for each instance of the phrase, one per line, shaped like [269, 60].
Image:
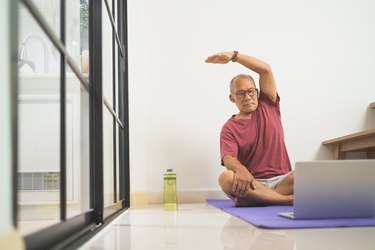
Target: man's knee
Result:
[226, 180]
[290, 180]
[286, 186]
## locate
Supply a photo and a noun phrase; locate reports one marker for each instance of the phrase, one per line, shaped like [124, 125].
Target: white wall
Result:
[323, 57]
[5, 124]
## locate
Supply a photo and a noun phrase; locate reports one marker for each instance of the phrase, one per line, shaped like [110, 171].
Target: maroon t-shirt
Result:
[258, 143]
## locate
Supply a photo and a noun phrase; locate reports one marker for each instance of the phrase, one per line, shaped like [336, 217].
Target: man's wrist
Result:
[234, 57]
[239, 168]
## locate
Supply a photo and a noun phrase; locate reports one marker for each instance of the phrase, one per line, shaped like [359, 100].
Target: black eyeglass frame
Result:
[251, 92]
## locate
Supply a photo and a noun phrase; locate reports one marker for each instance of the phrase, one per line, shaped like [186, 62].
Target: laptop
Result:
[333, 189]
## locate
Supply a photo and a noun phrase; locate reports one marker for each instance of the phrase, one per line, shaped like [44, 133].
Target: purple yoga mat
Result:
[267, 217]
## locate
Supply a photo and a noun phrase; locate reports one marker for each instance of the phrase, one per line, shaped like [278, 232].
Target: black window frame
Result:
[73, 232]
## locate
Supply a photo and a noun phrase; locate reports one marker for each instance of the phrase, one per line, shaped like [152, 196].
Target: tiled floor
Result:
[200, 226]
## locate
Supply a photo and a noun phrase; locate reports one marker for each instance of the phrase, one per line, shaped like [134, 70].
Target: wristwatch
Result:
[234, 57]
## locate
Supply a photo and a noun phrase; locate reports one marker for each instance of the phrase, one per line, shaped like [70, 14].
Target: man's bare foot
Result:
[245, 202]
[241, 202]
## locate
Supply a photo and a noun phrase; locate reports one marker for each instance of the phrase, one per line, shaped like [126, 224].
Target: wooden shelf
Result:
[362, 141]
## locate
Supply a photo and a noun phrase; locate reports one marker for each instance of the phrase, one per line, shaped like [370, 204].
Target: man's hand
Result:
[242, 181]
[222, 58]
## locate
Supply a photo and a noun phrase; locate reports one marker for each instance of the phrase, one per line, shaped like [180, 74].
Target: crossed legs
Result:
[262, 195]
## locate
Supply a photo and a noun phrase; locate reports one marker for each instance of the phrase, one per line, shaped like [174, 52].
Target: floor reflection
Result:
[237, 235]
[201, 227]
[335, 238]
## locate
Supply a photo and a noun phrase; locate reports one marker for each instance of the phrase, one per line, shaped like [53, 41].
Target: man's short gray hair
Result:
[239, 76]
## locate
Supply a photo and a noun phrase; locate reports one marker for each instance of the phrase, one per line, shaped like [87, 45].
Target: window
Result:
[72, 155]
[49, 181]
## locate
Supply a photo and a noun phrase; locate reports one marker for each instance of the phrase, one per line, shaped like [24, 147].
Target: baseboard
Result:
[141, 199]
[11, 240]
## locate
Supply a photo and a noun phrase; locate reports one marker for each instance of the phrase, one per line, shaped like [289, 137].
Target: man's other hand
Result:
[242, 181]
[221, 58]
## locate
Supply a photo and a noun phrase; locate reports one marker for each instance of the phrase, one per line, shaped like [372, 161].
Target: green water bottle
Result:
[170, 191]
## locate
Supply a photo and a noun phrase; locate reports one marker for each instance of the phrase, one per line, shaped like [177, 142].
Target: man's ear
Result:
[231, 98]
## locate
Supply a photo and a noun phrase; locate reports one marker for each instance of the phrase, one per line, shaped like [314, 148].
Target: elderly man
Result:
[258, 170]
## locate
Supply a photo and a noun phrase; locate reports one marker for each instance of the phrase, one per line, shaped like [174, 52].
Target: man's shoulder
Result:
[230, 123]
[230, 120]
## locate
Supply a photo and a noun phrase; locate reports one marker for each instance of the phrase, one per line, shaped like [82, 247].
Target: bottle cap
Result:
[170, 170]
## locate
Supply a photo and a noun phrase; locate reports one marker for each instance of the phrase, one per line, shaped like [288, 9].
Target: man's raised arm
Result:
[266, 80]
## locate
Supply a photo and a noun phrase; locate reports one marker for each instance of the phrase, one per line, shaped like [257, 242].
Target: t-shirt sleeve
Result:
[265, 100]
[228, 144]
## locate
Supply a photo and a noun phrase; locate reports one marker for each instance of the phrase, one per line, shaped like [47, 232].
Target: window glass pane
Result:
[73, 30]
[50, 10]
[84, 35]
[38, 127]
[116, 65]
[108, 157]
[77, 109]
[107, 36]
[77, 147]
[36, 53]
[38, 151]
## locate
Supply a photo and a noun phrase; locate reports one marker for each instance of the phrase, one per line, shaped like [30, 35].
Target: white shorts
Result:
[273, 182]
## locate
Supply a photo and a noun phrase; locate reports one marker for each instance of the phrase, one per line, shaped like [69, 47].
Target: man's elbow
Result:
[229, 160]
[266, 69]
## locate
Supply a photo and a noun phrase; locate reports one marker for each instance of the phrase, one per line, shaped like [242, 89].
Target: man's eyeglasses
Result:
[250, 92]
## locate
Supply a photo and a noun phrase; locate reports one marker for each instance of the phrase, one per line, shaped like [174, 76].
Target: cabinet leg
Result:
[338, 154]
